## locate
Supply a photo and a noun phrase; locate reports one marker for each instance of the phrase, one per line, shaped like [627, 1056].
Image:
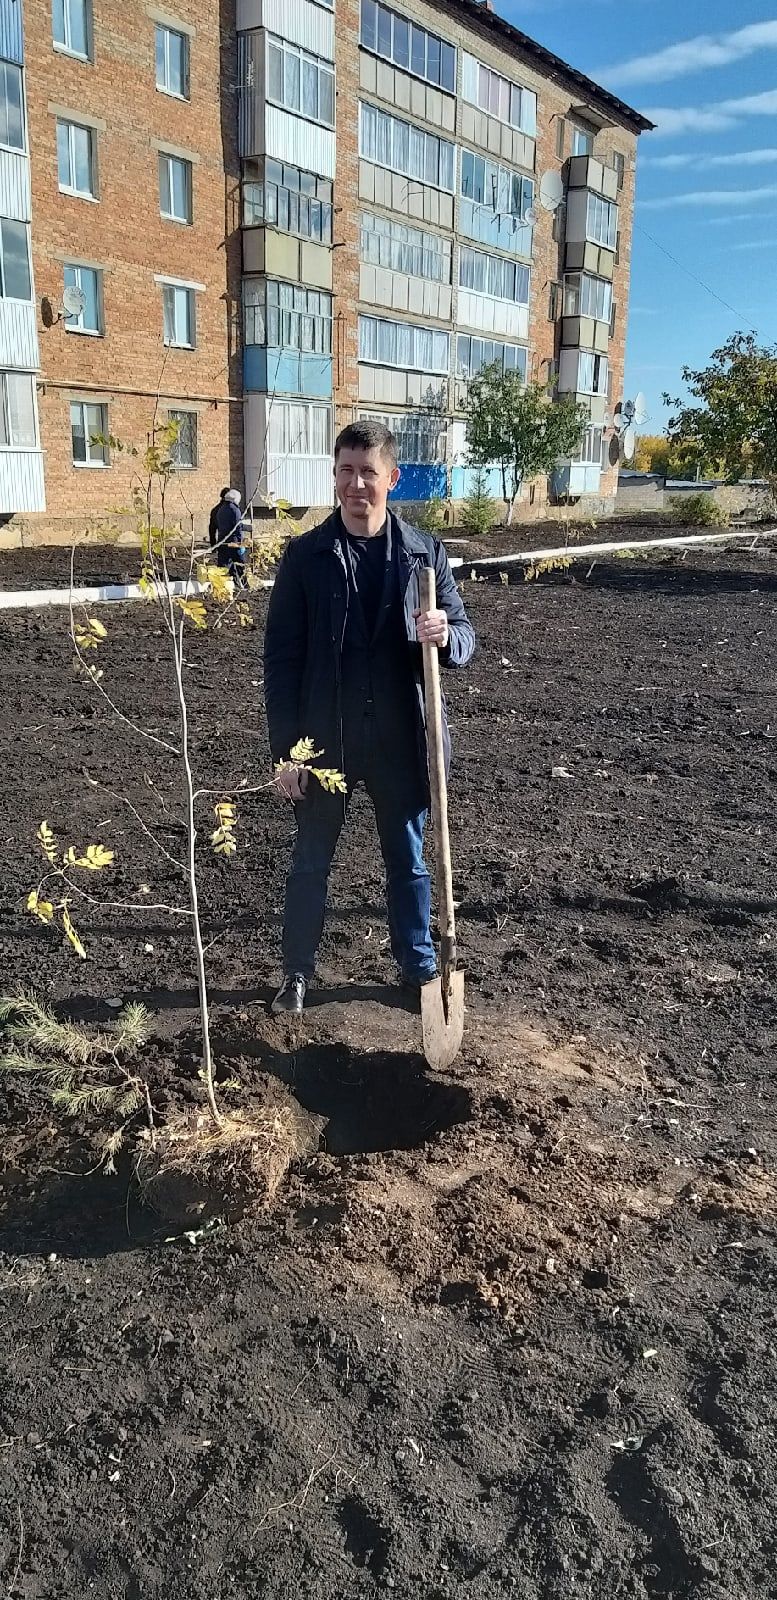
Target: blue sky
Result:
[706, 73]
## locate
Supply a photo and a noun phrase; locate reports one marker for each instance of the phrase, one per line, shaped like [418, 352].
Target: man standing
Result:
[212, 527]
[343, 666]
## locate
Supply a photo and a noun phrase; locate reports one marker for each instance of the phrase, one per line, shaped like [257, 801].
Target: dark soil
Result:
[512, 1331]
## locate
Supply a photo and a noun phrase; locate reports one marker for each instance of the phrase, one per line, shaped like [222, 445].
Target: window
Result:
[498, 96]
[505, 280]
[300, 82]
[494, 204]
[178, 316]
[405, 249]
[288, 198]
[89, 432]
[89, 281]
[421, 436]
[402, 147]
[602, 221]
[592, 373]
[172, 62]
[554, 302]
[408, 46]
[183, 451]
[11, 106]
[175, 188]
[299, 429]
[473, 353]
[17, 411]
[619, 163]
[402, 344]
[76, 163]
[592, 446]
[613, 319]
[585, 296]
[582, 141]
[287, 316]
[561, 138]
[72, 27]
[15, 281]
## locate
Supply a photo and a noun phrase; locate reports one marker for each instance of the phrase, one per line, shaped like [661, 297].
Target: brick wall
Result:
[124, 233]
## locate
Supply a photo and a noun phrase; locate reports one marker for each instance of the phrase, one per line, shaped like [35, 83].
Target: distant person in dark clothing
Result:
[230, 537]
[343, 667]
[212, 529]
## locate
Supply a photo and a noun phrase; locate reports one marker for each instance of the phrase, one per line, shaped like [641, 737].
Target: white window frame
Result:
[301, 316]
[73, 125]
[478, 263]
[5, 409]
[190, 289]
[96, 464]
[76, 324]
[168, 30]
[593, 373]
[267, 195]
[5, 68]
[421, 436]
[591, 451]
[601, 221]
[293, 52]
[166, 159]
[64, 46]
[584, 136]
[290, 422]
[416, 333]
[402, 247]
[585, 295]
[397, 57]
[24, 300]
[410, 150]
[504, 345]
[174, 415]
[482, 85]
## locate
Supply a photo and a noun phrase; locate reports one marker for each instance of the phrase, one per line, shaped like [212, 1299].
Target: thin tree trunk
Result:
[191, 838]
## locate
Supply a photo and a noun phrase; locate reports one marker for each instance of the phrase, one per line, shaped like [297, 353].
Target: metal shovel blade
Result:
[442, 1019]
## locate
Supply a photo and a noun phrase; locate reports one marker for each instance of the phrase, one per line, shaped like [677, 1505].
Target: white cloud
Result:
[713, 118]
[700, 163]
[753, 244]
[729, 220]
[710, 197]
[693, 55]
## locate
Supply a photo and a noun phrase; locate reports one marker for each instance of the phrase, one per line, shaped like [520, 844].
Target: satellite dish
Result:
[73, 300]
[607, 420]
[628, 410]
[530, 216]
[551, 191]
[629, 443]
[640, 409]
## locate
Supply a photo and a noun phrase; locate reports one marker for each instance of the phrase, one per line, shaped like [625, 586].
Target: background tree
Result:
[734, 417]
[519, 428]
[674, 458]
[479, 513]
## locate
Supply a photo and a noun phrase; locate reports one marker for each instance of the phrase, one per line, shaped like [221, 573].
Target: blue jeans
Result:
[397, 795]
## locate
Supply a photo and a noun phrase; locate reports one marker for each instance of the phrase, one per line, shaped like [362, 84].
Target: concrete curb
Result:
[110, 593]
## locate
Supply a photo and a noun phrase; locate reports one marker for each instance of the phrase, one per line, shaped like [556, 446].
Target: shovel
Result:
[442, 1000]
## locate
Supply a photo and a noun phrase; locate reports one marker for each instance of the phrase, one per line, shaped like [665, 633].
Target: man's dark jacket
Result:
[306, 625]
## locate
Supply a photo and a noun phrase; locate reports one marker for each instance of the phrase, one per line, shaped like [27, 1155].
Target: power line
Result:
[692, 275]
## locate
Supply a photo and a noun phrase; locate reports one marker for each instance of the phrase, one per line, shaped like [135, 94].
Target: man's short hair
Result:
[368, 436]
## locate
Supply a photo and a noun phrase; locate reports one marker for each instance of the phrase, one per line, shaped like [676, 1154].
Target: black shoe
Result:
[291, 995]
[415, 985]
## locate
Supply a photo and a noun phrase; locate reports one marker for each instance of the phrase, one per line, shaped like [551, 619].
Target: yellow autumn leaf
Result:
[70, 933]
[40, 908]
[244, 616]
[94, 859]
[304, 750]
[85, 640]
[223, 843]
[47, 843]
[221, 584]
[97, 628]
[330, 779]
[195, 611]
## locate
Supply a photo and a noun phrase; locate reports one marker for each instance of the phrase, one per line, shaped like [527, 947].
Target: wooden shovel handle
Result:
[437, 782]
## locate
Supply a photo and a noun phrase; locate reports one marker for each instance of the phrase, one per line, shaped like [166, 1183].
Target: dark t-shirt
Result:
[367, 559]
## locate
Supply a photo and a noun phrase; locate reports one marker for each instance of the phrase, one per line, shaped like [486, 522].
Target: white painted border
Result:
[31, 599]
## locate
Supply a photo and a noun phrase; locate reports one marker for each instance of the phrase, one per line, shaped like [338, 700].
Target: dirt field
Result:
[511, 1332]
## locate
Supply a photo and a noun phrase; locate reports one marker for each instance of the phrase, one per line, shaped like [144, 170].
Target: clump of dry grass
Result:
[191, 1170]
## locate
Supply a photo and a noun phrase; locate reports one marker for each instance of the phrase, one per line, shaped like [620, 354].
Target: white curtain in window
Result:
[21, 410]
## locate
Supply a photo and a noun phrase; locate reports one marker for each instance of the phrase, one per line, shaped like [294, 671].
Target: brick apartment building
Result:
[267, 217]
